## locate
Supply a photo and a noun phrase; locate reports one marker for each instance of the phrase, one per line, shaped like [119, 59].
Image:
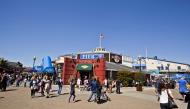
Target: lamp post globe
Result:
[34, 60]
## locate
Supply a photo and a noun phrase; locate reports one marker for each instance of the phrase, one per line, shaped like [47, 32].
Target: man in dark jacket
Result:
[94, 88]
[72, 89]
[118, 85]
[4, 82]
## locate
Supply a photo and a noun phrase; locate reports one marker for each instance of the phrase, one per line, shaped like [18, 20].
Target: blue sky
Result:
[54, 27]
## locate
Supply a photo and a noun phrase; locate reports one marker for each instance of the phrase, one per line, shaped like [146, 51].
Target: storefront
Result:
[99, 63]
[81, 68]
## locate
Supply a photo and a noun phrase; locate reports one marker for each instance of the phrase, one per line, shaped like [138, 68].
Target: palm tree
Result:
[20, 66]
[3, 63]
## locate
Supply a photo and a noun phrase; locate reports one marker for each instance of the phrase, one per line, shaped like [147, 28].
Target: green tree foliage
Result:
[10, 66]
[139, 76]
[3, 63]
[127, 77]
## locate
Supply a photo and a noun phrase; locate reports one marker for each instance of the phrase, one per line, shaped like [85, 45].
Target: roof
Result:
[92, 52]
[117, 67]
[166, 60]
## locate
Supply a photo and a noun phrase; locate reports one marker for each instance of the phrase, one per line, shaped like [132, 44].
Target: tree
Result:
[3, 63]
[139, 76]
[126, 77]
[20, 66]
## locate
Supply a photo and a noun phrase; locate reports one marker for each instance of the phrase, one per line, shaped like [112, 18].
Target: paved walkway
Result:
[148, 94]
[19, 98]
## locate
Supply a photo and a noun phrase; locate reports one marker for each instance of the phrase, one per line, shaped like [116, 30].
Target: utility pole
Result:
[140, 59]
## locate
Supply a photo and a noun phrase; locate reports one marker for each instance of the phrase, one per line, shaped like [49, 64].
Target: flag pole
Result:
[146, 53]
[100, 40]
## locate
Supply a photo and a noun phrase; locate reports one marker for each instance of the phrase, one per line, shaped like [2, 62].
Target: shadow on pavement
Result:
[54, 90]
[78, 100]
[101, 101]
[39, 96]
[11, 89]
[2, 97]
[53, 96]
[120, 93]
[180, 99]
[64, 94]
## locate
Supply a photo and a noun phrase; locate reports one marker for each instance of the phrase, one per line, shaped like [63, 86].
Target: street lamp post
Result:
[168, 65]
[34, 60]
[140, 59]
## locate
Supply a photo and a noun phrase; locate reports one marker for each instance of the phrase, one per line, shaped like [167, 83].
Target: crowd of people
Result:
[42, 84]
[7, 79]
[98, 91]
[165, 97]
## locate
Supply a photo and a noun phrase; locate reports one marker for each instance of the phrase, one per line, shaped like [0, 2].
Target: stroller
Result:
[101, 95]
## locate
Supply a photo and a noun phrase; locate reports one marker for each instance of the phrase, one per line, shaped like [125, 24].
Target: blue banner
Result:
[91, 56]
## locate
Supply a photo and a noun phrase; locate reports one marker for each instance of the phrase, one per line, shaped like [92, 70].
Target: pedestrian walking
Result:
[42, 85]
[187, 100]
[86, 84]
[79, 83]
[47, 86]
[60, 85]
[0, 81]
[104, 94]
[94, 88]
[157, 84]
[4, 82]
[106, 85]
[99, 90]
[25, 81]
[72, 89]
[164, 94]
[182, 85]
[118, 86]
[33, 86]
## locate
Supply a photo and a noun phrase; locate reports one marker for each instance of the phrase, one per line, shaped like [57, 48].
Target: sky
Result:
[52, 28]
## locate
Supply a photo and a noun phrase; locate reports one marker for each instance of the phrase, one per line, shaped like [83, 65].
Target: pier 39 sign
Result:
[91, 56]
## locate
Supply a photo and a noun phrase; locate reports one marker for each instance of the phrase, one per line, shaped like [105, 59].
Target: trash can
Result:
[139, 87]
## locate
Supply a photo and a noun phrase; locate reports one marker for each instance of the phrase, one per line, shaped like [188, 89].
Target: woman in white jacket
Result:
[163, 95]
[47, 85]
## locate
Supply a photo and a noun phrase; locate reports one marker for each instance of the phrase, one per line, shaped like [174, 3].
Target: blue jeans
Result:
[93, 94]
[59, 90]
[72, 93]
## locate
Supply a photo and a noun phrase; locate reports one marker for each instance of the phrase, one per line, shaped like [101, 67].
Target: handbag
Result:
[171, 102]
[187, 97]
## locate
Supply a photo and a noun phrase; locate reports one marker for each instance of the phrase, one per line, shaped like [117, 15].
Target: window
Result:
[158, 68]
[178, 67]
[162, 67]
